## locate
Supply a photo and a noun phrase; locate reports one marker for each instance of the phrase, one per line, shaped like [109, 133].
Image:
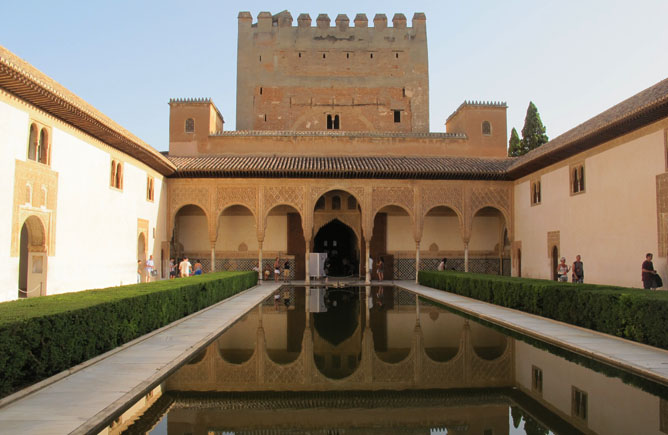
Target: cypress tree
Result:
[533, 132]
[514, 144]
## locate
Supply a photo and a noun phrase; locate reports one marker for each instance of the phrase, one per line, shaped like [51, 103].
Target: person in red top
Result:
[648, 273]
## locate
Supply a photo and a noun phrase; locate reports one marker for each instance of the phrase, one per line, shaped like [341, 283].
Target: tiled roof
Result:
[341, 167]
[631, 114]
[30, 84]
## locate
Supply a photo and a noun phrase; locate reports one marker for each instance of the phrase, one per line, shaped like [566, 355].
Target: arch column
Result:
[213, 255]
[417, 260]
[367, 278]
[466, 255]
[259, 259]
[307, 266]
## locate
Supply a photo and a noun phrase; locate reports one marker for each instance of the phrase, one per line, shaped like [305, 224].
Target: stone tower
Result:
[339, 77]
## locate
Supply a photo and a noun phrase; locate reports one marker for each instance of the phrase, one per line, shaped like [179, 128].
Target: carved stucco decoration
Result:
[400, 196]
[188, 194]
[35, 194]
[315, 192]
[289, 195]
[497, 197]
[227, 196]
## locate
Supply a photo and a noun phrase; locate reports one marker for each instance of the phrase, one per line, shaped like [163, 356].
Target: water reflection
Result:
[381, 360]
[349, 339]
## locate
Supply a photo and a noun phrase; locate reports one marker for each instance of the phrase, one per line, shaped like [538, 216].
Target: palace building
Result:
[332, 153]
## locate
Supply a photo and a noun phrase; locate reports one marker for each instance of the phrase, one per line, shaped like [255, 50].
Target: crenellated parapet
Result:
[268, 22]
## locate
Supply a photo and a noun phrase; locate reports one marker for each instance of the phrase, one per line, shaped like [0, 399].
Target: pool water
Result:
[382, 360]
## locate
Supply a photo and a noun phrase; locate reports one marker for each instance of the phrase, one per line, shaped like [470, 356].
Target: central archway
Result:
[340, 243]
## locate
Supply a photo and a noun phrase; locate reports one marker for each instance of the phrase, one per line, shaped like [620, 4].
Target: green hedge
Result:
[40, 337]
[635, 314]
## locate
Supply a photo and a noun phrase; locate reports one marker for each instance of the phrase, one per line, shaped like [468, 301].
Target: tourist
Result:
[139, 271]
[370, 269]
[286, 271]
[441, 265]
[150, 266]
[578, 270]
[277, 269]
[198, 267]
[648, 273]
[172, 268]
[185, 267]
[379, 268]
[562, 270]
[267, 273]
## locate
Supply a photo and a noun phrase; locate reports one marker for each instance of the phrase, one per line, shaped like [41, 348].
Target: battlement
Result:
[190, 100]
[266, 22]
[478, 104]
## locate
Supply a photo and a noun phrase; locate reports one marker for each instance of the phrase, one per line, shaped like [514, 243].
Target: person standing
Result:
[150, 266]
[172, 268]
[184, 267]
[139, 271]
[562, 270]
[648, 273]
[277, 269]
[286, 271]
[578, 270]
[441, 265]
[198, 267]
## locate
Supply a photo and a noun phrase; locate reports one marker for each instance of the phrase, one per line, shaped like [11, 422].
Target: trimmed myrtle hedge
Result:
[40, 337]
[635, 314]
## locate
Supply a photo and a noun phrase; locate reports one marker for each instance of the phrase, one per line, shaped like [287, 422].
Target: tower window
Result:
[190, 125]
[347, 55]
[370, 55]
[486, 128]
[300, 55]
[324, 56]
[336, 122]
[329, 122]
[260, 90]
[396, 55]
[397, 115]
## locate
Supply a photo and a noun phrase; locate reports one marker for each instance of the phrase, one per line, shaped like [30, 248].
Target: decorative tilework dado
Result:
[35, 194]
[404, 268]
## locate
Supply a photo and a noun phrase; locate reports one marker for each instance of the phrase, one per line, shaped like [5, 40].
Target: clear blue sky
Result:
[573, 59]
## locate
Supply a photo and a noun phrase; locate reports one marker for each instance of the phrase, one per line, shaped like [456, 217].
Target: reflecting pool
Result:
[382, 360]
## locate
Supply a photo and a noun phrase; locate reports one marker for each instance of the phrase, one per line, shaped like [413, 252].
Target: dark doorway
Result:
[340, 244]
[23, 262]
[555, 262]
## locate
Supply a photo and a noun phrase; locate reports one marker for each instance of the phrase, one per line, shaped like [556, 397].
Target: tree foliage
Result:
[514, 144]
[533, 134]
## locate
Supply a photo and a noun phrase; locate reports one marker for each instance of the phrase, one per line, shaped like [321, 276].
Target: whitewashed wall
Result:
[96, 225]
[612, 225]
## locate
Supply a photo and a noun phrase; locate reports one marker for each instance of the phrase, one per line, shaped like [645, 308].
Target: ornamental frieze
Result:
[383, 196]
[226, 196]
[290, 195]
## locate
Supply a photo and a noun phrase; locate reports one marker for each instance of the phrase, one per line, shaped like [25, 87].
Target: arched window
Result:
[535, 193]
[112, 181]
[336, 122]
[320, 204]
[119, 176]
[32, 143]
[43, 149]
[486, 128]
[190, 125]
[336, 202]
[577, 179]
[329, 122]
[352, 203]
[149, 188]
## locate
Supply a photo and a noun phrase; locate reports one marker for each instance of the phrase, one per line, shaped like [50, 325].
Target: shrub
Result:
[40, 337]
[635, 314]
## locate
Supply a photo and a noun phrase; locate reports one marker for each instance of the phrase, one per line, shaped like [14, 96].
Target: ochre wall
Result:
[305, 72]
